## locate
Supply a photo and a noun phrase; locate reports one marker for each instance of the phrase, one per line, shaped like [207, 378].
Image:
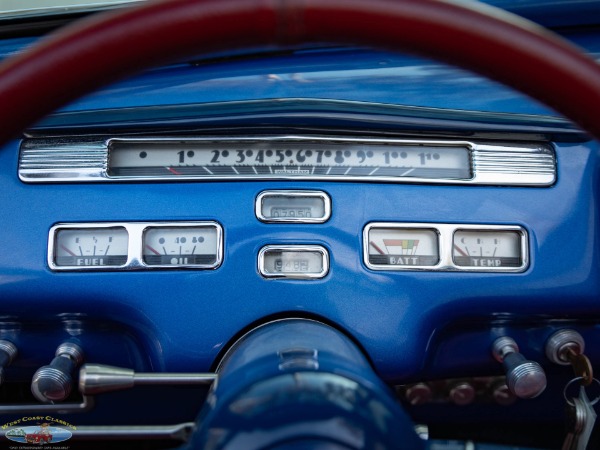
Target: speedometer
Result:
[284, 159]
[276, 157]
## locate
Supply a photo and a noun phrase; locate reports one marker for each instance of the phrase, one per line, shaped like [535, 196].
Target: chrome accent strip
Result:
[62, 408]
[99, 378]
[445, 242]
[177, 432]
[297, 194]
[298, 249]
[30, 9]
[61, 160]
[135, 256]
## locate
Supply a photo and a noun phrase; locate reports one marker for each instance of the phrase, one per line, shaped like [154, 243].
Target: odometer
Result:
[293, 261]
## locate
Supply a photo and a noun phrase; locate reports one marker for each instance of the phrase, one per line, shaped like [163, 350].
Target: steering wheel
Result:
[107, 47]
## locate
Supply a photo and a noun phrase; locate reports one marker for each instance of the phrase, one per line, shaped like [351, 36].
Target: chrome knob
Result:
[525, 379]
[561, 343]
[8, 352]
[418, 394]
[54, 382]
[462, 393]
[502, 395]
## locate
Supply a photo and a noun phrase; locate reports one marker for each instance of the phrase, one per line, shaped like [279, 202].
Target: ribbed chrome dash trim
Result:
[66, 159]
[43, 162]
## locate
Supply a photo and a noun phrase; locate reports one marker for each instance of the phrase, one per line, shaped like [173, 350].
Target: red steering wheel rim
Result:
[107, 47]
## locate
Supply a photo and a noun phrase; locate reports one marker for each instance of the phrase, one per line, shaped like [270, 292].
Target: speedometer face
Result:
[266, 159]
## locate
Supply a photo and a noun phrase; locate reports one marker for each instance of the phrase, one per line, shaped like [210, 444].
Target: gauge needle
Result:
[67, 250]
[458, 249]
[381, 252]
[173, 171]
[152, 250]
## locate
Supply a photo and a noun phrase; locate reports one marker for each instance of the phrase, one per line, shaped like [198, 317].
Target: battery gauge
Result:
[487, 249]
[396, 247]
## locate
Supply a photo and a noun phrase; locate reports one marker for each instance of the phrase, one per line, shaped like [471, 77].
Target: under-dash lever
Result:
[98, 378]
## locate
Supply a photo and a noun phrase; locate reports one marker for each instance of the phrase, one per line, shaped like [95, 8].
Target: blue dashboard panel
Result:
[410, 306]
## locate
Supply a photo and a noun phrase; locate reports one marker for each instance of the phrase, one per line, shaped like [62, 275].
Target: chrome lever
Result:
[98, 378]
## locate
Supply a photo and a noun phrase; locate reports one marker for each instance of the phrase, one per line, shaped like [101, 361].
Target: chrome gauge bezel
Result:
[294, 194]
[135, 250]
[294, 248]
[72, 159]
[445, 234]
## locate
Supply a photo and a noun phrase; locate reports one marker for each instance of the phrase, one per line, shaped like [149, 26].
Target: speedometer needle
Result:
[173, 171]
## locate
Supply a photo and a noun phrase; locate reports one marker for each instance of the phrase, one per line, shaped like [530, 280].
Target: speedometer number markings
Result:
[284, 159]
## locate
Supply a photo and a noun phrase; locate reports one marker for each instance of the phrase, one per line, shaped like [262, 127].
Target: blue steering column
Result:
[298, 383]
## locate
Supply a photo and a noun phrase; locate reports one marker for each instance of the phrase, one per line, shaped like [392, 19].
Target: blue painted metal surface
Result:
[404, 308]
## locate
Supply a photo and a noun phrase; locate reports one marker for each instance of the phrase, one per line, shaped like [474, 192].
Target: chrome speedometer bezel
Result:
[58, 160]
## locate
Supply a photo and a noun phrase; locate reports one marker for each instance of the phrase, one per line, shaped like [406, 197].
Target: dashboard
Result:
[409, 213]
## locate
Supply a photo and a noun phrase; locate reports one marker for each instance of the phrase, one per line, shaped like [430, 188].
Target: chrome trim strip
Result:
[296, 249]
[73, 7]
[177, 432]
[135, 256]
[46, 160]
[297, 194]
[445, 242]
[86, 405]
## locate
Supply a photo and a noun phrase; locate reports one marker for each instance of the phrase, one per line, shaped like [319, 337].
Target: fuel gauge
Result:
[81, 248]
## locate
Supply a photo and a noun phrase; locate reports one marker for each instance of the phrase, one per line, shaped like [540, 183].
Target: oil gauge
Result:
[177, 246]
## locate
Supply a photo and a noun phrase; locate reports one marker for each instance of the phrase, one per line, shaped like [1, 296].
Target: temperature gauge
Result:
[81, 248]
[397, 247]
[487, 249]
[196, 246]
